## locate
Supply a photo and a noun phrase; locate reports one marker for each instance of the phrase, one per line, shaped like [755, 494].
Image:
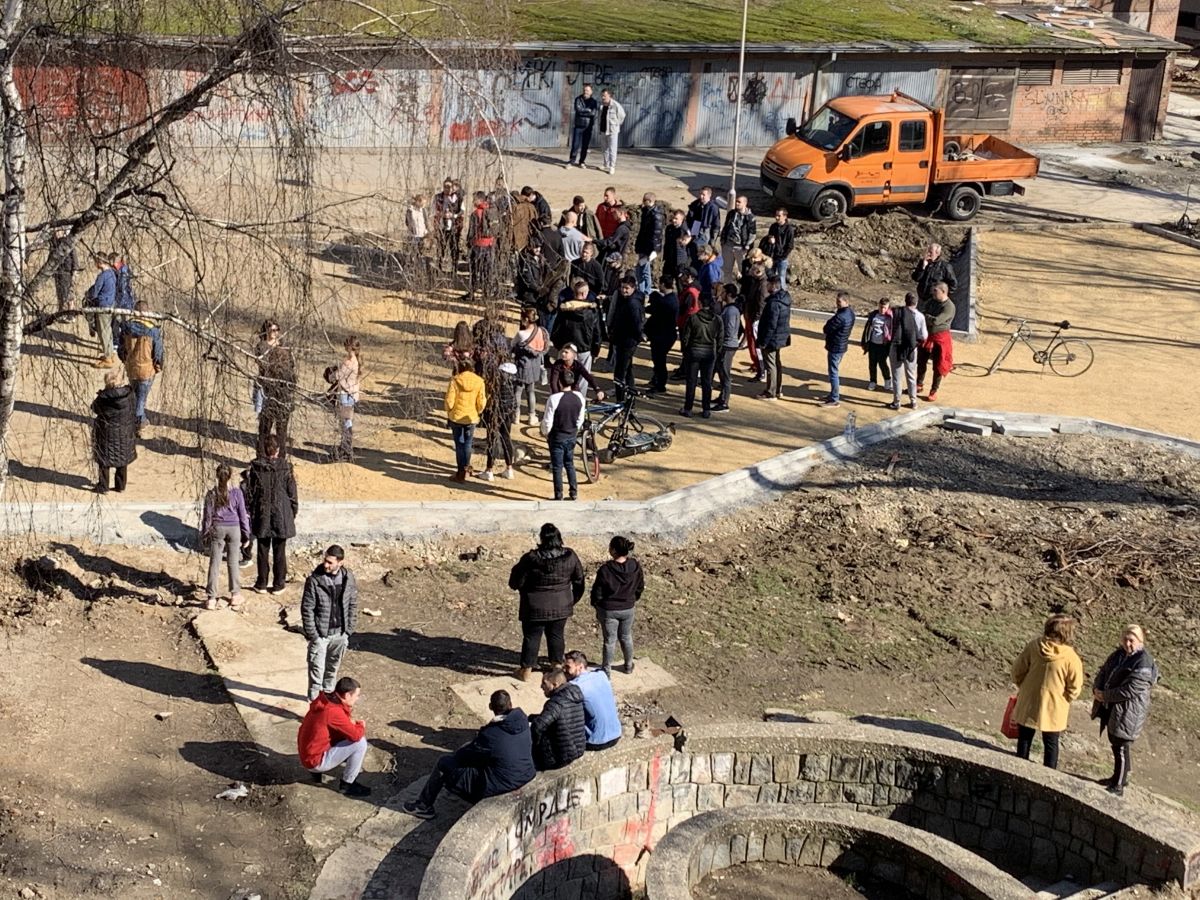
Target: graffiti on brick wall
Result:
[63, 99]
[1058, 103]
[980, 97]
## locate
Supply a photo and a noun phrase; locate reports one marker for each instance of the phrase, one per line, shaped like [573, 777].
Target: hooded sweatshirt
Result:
[1049, 676]
[465, 399]
[618, 585]
[503, 749]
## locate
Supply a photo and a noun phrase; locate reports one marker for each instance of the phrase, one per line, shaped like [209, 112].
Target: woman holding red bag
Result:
[1049, 676]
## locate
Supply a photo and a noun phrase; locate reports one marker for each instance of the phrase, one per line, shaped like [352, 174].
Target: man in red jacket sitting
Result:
[329, 737]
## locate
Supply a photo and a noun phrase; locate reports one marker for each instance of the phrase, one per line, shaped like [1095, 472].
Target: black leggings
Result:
[556, 641]
[1049, 745]
[1122, 765]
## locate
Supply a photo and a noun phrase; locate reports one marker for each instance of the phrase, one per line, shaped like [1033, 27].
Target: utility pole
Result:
[737, 110]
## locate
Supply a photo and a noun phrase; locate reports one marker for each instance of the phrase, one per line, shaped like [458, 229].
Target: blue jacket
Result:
[708, 279]
[775, 324]
[601, 723]
[103, 292]
[124, 277]
[732, 317]
[708, 217]
[838, 329]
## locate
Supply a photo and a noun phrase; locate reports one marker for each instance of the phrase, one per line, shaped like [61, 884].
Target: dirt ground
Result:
[775, 881]
[883, 596]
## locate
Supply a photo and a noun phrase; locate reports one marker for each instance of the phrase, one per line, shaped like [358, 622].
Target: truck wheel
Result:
[828, 205]
[963, 203]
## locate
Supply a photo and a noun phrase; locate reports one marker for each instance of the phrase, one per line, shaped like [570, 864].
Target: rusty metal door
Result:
[1142, 101]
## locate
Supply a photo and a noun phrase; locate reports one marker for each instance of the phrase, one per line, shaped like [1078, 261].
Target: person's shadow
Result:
[437, 651]
[178, 534]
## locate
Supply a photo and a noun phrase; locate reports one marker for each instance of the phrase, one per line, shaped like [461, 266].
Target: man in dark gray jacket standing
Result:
[328, 611]
[585, 109]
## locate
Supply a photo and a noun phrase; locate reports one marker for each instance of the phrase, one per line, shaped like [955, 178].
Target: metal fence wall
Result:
[876, 77]
[769, 98]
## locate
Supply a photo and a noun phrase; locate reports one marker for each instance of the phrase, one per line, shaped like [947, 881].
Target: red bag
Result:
[1008, 727]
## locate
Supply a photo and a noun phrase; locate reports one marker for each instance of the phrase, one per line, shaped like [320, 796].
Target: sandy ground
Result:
[1129, 294]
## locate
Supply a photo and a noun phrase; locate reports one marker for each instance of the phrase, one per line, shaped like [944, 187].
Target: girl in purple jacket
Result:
[225, 529]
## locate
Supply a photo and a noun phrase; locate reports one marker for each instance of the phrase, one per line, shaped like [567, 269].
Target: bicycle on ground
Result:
[1067, 357]
[615, 429]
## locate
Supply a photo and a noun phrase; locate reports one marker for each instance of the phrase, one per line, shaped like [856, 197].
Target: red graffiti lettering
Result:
[554, 844]
[353, 82]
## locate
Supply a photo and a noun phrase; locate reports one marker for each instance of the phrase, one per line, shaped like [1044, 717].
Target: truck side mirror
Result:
[846, 153]
[790, 128]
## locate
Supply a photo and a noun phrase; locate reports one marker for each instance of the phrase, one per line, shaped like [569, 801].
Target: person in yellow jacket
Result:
[1049, 676]
[465, 399]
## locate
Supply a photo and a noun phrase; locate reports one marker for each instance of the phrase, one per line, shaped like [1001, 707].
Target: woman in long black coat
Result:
[1121, 700]
[114, 432]
[549, 580]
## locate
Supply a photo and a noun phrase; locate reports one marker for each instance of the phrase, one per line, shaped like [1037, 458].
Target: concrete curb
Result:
[671, 516]
[1159, 231]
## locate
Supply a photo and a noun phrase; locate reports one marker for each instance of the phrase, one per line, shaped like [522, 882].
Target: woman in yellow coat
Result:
[465, 400]
[1048, 675]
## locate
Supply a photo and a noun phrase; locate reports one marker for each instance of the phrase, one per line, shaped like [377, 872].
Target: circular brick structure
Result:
[823, 837]
[588, 831]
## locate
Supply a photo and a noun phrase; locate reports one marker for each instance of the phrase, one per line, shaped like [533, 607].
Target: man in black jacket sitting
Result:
[559, 732]
[497, 761]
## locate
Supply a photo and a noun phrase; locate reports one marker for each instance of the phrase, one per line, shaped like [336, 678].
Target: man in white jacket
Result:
[611, 116]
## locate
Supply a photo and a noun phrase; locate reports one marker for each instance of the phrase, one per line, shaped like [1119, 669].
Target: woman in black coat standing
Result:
[114, 433]
[270, 488]
[549, 580]
[1121, 698]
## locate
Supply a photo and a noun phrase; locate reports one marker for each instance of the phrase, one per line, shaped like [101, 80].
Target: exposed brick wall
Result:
[1069, 112]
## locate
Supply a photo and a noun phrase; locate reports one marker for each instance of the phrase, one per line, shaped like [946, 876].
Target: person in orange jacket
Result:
[328, 737]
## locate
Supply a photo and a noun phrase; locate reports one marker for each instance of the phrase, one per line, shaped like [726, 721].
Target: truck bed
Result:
[995, 160]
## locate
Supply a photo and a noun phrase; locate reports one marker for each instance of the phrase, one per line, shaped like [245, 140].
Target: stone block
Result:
[722, 767]
[954, 809]
[568, 890]
[1014, 429]
[1021, 804]
[800, 792]
[1062, 820]
[593, 817]
[645, 799]
[787, 768]
[967, 427]
[683, 798]
[983, 816]
[761, 766]
[704, 861]
[579, 867]
[845, 768]
[1020, 827]
[885, 771]
[771, 793]
[907, 775]
[916, 880]
[638, 776]
[741, 768]
[810, 851]
[622, 807]
[613, 782]
[941, 826]
[710, 796]
[859, 793]
[880, 795]
[792, 849]
[930, 802]
[852, 861]
[1006, 800]
[1078, 869]
[737, 849]
[741, 795]
[899, 795]
[888, 870]
[967, 835]
[828, 792]
[721, 856]
[1105, 841]
[702, 769]
[1041, 813]
[830, 851]
[1156, 866]
[815, 767]
[994, 840]
[1043, 857]
[1083, 829]
[756, 844]
[1129, 855]
[681, 767]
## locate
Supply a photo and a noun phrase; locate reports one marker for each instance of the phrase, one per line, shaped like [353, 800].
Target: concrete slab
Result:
[647, 677]
[967, 427]
[1017, 429]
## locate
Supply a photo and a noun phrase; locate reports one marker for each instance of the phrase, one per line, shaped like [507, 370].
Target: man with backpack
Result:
[481, 238]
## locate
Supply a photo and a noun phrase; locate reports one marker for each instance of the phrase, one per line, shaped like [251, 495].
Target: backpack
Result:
[489, 223]
[125, 297]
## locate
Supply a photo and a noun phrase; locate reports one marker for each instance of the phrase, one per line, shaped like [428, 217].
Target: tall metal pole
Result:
[737, 113]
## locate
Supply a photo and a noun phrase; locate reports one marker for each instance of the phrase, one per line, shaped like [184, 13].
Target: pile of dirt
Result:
[868, 256]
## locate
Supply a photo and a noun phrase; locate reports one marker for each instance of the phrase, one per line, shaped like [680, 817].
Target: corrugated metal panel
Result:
[769, 99]
[876, 77]
[523, 108]
[237, 113]
[654, 93]
[372, 107]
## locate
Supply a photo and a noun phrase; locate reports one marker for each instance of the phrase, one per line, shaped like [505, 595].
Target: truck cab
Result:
[882, 150]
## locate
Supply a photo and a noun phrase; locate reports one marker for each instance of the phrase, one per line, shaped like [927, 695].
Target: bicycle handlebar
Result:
[1064, 324]
[630, 389]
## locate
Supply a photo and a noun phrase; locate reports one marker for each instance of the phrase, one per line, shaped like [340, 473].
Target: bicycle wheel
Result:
[1071, 358]
[659, 433]
[971, 370]
[589, 457]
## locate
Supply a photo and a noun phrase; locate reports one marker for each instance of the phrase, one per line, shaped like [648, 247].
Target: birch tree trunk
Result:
[12, 226]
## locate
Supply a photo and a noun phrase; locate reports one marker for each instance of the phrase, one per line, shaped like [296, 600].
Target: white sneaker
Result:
[872, 386]
[520, 456]
[611, 169]
[567, 165]
[508, 473]
[485, 475]
[533, 419]
[887, 385]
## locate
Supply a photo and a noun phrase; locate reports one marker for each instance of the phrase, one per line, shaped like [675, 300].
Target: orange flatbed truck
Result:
[882, 150]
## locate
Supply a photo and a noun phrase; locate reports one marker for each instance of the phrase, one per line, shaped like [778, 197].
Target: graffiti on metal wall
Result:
[63, 99]
[521, 107]
[768, 99]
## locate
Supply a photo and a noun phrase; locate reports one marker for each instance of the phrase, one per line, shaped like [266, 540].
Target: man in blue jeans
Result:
[837, 338]
[560, 425]
[586, 107]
